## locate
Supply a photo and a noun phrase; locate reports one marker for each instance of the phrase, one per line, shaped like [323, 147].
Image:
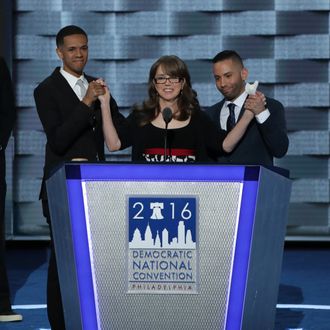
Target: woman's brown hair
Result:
[187, 100]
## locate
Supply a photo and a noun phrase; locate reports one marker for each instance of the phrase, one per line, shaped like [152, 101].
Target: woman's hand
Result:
[104, 98]
[248, 114]
[109, 131]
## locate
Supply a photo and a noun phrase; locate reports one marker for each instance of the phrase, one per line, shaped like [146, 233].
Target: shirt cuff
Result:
[262, 116]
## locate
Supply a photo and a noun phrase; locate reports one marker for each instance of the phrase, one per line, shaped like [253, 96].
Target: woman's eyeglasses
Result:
[162, 80]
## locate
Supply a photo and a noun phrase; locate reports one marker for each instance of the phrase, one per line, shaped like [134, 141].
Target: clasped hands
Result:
[96, 90]
[256, 100]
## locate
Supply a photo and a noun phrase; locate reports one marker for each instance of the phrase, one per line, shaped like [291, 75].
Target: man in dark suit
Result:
[266, 136]
[69, 110]
[7, 119]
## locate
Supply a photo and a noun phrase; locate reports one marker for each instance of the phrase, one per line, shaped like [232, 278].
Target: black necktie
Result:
[231, 117]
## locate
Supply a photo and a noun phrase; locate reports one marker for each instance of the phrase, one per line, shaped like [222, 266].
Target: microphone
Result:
[167, 116]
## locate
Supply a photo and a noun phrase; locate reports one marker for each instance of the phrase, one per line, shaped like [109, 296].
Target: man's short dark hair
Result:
[68, 31]
[228, 55]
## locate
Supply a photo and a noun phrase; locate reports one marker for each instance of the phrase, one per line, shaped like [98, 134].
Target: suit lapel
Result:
[63, 86]
[218, 112]
[220, 105]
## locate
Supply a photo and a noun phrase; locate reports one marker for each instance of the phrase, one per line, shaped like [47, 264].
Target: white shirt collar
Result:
[238, 101]
[71, 79]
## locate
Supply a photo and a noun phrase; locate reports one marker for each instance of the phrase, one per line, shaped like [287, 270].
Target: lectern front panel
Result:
[161, 246]
[117, 274]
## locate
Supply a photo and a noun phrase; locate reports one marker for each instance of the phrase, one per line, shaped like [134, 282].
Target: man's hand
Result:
[94, 90]
[255, 103]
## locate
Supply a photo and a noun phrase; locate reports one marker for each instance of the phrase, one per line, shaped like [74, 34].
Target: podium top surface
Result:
[163, 172]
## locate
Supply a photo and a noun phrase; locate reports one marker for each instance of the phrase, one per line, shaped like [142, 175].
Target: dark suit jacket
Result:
[261, 142]
[73, 130]
[7, 118]
[7, 105]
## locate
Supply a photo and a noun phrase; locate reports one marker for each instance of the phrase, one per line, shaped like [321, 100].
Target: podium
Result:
[162, 246]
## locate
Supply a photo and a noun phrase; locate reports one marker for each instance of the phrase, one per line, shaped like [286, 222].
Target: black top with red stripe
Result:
[198, 141]
[181, 144]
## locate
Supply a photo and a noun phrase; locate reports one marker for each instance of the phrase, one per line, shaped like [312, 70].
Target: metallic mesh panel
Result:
[28, 120]
[27, 164]
[313, 94]
[26, 5]
[9, 155]
[307, 119]
[246, 46]
[27, 190]
[302, 5]
[32, 46]
[287, 50]
[218, 209]
[289, 71]
[304, 166]
[35, 227]
[308, 214]
[167, 23]
[30, 143]
[35, 22]
[261, 70]
[311, 190]
[242, 23]
[294, 22]
[311, 142]
[310, 46]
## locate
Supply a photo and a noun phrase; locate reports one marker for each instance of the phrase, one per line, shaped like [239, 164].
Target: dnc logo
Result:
[162, 222]
[162, 237]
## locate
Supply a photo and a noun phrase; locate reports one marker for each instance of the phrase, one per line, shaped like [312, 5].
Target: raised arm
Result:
[111, 137]
[235, 135]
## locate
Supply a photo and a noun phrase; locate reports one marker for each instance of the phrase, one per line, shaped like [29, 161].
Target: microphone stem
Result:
[167, 116]
[165, 143]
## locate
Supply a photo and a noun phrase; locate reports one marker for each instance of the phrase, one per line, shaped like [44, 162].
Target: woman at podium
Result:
[169, 126]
